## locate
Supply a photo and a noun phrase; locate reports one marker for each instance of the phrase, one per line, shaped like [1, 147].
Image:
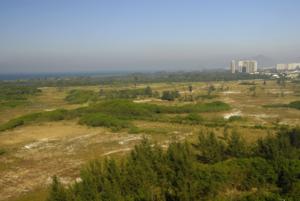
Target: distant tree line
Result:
[136, 78]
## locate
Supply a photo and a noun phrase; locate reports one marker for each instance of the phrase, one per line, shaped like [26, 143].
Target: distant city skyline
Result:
[71, 36]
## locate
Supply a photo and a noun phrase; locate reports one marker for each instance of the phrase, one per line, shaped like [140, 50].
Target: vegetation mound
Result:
[81, 96]
[118, 111]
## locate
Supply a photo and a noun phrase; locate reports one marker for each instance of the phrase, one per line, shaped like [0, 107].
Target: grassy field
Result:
[31, 153]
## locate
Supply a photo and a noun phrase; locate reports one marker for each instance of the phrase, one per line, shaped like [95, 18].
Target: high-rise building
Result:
[247, 66]
[233, 66]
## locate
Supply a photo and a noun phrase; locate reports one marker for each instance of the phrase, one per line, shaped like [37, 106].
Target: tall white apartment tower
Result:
[232, 66]
[247, 66]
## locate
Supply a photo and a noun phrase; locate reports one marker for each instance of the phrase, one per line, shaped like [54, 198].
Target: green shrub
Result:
[81, 96]
[235, 118]
[295, 104]
[192, 118]
[125, 110]
[134, 130]
[11, 124]
[2, 151]
[170, 95]
[55, 115]
[127, 93]
[104, 120]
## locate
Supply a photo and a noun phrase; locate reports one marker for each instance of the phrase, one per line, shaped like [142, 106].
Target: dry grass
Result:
[37, 152]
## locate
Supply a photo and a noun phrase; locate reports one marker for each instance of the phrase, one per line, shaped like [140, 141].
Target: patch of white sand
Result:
[231, 114]
[116, 151]
[231, 92]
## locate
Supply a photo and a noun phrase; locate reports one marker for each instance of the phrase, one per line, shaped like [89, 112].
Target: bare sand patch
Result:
[231, 92]
[233, 113]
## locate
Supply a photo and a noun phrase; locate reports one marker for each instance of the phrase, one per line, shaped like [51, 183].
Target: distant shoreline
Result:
[28, 76]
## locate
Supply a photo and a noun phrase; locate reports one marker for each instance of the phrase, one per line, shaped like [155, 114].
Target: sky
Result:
[138, 35]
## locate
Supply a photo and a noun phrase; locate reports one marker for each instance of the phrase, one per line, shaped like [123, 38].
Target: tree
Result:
[148, 91]
[210, 89]
[210, 148]
[57, 191]
[191, 91]
[170, 95]
[236, 145]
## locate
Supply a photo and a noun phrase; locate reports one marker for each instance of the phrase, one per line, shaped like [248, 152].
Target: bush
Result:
[11, 124]
[81, 96]
[295, 104]
[236, 146]
[235, 118]
[211, 149]
[192, 118]
[150, 173]
[127, 93]
[122, 109]
[99, 119]
[2, 151]
[55, 115]
[170, 95]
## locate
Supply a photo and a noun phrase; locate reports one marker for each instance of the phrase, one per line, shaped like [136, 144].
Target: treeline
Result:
[116, 113]
[136, 78]
[214, 168]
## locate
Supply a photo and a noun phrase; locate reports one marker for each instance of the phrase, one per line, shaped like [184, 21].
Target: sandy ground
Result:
[37, 152]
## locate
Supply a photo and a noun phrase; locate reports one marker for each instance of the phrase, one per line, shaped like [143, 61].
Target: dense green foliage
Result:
[170, 95]
[294, 104]
[119, 110]
[81, 96]
[2, 151]
[56, 115]
[99, 119]
[207, 170]
[14, 95]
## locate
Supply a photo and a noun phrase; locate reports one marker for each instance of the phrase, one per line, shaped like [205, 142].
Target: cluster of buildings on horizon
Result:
[288, 67]
[250, 66]
[291, 70]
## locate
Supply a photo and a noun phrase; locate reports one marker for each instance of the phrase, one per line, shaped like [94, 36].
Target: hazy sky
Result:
[87, 35]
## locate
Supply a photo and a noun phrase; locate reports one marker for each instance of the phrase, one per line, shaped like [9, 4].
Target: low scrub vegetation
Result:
[294, 104]
[2, 151]
[118, 111]
[128, 93]
[170, 95]
[206, 170]
[99, 119]
[12, 96]
[81, 96]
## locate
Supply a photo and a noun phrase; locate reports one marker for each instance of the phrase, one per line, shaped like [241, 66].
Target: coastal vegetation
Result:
[266, 170]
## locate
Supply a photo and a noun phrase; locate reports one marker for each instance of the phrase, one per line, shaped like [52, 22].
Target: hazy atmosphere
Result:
[70, 36]
[149, 100]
